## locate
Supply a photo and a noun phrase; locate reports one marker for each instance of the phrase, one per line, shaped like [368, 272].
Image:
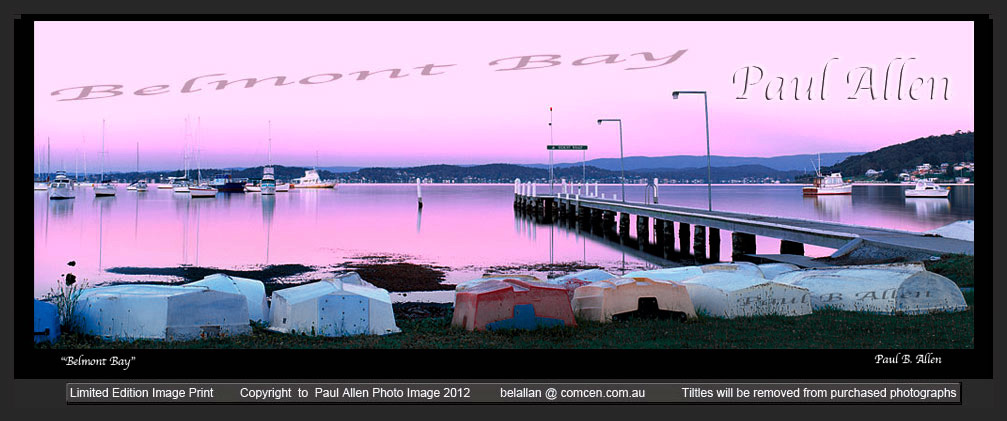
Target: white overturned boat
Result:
[886, 289]
[253, 291]
[343, 305]
[128, 312]
[928, 189]
[734, 294]
[62, 187]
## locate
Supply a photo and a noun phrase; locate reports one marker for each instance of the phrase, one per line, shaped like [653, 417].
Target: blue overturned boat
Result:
[46, 322]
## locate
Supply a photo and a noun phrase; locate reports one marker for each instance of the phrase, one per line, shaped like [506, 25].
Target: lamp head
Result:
[674, 95]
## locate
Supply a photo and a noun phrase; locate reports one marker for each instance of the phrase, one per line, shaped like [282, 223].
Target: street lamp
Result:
[621, 164]
[709, 185]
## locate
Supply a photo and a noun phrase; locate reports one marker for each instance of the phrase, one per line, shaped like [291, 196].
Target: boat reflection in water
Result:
[929, 206]
[268, 207]
[831, 207]
[61, 208]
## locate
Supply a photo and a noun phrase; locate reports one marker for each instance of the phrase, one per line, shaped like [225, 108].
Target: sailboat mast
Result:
[102, 179]
[48, 159]
[269, 145]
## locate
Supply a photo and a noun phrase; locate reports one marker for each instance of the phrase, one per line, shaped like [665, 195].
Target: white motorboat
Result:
[826, 185]
[928, 189]
[61, 187]
[311, 180]
[41, 185]
[831, 184]
[252, 188]
[282, 187]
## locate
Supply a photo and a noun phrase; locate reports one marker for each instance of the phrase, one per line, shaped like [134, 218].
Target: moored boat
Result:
[311, 180]
[268, 184]
[226, 184]
[927, 189]
[61, 187]
[830, 184]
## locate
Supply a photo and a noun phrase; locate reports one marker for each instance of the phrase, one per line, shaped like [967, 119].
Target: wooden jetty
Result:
[614, 217]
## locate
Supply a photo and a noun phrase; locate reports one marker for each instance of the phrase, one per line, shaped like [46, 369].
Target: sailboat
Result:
[827, 185]
[268, 184]
[41, 184]
[139, 185]
[181, 184]
[104, 187]
[201, 189]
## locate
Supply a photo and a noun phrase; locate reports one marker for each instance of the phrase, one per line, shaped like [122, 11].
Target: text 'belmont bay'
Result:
[634, 61]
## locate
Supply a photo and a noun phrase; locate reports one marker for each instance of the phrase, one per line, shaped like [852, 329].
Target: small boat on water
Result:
[251, 187]
[268, 184]
[282, 187]
[928, 189]
[61, 187]
[830, 184]
[226, 184]
[180, 185]
[201, 189]
[311, 180]
[139, 185]
[827, 185]
[103, 187]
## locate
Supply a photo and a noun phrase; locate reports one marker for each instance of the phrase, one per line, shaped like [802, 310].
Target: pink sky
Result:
[474, 114]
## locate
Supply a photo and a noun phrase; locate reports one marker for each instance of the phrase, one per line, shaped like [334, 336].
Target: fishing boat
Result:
[61, 187]
[226, 184]
[926, 188]
[104, 187]
[311, 180]
[827, 185]
[268, 184]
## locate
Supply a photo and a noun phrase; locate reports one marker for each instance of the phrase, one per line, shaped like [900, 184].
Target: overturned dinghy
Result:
[161, 312]
[604, 301]
[886, 289]
[745, 268]
[678, 274]
[772, 270]
[511, 302]
[574, 280]
[254, 292]
[46, 322]
[730, 295]
[341, 306]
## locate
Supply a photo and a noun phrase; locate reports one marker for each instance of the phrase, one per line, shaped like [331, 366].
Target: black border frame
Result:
[977, 363]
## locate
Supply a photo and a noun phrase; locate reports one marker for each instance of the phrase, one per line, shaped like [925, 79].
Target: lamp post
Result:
[621, 164]
[709, 185]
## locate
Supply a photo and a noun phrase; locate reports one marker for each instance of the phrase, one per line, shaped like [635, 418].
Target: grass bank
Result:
[959, 268]
[826, 329]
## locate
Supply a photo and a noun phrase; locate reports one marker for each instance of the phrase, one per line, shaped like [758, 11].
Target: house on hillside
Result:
[873, 173]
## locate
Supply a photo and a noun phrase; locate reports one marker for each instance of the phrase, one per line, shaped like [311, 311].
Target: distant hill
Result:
[934, 150]
[780, 163]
